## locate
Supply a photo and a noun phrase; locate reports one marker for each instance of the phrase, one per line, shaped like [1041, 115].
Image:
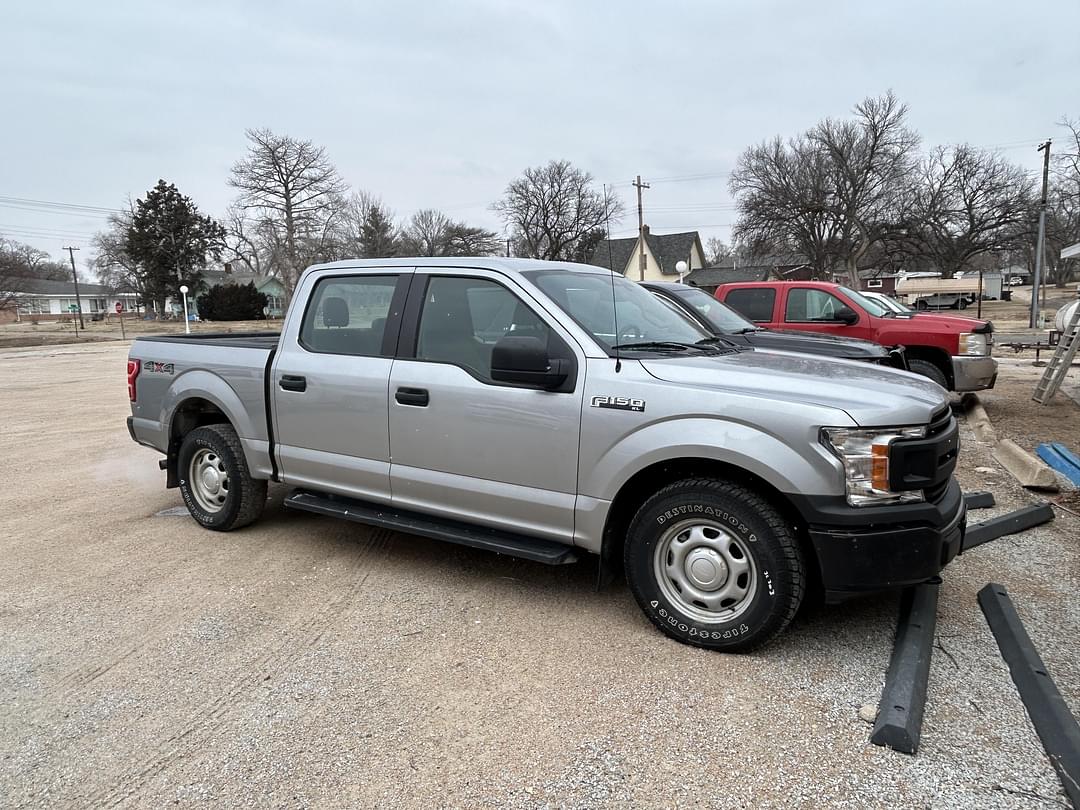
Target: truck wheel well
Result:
[655, 477]
[190, 414]
[938, 357]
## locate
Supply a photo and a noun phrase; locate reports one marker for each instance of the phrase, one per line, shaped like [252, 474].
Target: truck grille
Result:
[926, 463]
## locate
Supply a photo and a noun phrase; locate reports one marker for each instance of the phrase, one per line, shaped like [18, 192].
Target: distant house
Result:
[785, 267]
[662, 253]
[45, 300]
[876, 280]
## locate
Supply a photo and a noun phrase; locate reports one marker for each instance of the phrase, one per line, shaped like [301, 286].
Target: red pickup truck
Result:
[952, 351]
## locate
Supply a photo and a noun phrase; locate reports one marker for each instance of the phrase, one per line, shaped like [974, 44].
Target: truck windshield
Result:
[873, 307]
[642, 319]
[721, 318]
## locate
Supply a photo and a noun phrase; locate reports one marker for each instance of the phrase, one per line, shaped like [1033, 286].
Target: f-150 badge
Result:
[618, 403]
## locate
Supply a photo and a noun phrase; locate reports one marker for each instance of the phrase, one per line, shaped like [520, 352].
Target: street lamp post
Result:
[187, 323]
[681, 267]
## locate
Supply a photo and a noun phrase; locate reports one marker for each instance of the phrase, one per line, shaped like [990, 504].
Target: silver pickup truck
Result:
[544, 410]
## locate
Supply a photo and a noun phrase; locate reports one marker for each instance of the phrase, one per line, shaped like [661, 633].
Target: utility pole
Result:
[640, 227]
[75, 278]
[1037, 281]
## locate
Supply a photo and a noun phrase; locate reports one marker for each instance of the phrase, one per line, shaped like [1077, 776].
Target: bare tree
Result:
[970, 203]
[549, 209]
[20, 264]
[833, 192]
[289, 182]
[112, 262]
[243, 242]
[425, 234]
[348, 222]
[432, 233]
[716, 251]
[783, 191]
[873, 160]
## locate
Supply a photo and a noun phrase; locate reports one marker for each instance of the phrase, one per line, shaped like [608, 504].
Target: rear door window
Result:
[755, 303]
[347, 315]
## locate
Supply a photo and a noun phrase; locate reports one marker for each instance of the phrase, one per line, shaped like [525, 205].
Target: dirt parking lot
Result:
[308, 662]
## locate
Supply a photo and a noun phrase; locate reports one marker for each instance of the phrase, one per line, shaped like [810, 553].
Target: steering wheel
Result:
[631, 333]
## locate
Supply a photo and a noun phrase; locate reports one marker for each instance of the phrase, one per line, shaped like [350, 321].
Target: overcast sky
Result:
[441, 104]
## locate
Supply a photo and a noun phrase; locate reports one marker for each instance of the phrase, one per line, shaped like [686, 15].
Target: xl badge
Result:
[619, 403]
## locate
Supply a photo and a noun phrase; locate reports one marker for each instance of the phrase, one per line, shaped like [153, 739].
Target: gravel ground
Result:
[307, 662]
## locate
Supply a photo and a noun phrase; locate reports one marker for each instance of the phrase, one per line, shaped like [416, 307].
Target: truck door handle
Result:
[290, 382]
[412, 396]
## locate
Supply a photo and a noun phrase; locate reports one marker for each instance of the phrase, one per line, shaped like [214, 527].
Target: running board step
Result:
[452, 531]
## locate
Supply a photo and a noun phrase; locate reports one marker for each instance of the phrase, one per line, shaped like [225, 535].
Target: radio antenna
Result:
[611, 267]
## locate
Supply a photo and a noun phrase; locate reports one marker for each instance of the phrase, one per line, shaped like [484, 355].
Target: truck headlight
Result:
[973, 343]
[865, 454]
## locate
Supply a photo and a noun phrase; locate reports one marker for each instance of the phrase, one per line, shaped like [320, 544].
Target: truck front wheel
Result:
[215, 481]
[714, 565]
[927, 369]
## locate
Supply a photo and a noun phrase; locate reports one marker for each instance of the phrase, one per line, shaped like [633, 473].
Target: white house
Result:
[662, 253]
[41, 299]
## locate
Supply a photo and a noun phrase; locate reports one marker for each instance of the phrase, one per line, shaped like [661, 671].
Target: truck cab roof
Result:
[499, 263]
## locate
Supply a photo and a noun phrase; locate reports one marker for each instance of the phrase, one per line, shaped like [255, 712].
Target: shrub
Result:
[231, 302]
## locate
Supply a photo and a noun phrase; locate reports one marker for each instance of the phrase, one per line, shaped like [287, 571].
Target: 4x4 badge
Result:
[618, 403]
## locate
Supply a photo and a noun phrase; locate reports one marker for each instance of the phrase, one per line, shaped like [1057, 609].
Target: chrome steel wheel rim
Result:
[209, 480]
[705, 571]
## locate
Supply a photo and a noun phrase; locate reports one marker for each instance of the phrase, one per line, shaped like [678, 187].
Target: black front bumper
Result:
[881, 548]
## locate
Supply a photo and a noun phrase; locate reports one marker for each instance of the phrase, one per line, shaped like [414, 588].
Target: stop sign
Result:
[119, 306]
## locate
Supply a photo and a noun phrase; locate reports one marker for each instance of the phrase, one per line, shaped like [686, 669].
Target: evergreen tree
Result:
[378, 238]
[169, 243]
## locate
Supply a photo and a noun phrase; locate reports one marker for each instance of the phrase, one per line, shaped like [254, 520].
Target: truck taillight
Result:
[133, 372]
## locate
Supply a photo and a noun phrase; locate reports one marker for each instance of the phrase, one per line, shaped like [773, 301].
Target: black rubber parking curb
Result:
[1047, 709]
[900, 711]
[1009, 523]
[979, 500]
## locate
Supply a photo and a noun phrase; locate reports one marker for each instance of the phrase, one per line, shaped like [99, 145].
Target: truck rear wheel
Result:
[929, 370]
[215, 481]
[714, 565]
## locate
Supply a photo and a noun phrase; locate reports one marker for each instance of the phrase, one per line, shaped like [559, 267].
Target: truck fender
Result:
[199, 384]
[739, 445]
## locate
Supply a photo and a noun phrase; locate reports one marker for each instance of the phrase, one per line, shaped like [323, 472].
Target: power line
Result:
[60, 205]
[55, 211]
[29, 233]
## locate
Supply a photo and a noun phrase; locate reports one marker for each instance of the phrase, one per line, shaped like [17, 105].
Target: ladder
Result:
[1059, 364]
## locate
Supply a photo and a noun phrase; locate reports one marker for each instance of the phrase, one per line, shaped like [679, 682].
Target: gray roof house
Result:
[662, 252]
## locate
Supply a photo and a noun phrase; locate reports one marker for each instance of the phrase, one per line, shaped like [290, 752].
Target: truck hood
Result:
[816, 343]
[869, 394]
[956, 323]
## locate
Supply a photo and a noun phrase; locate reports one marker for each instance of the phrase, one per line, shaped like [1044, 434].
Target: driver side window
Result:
[463, 318]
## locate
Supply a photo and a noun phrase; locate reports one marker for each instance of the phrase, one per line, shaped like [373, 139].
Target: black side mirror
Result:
[524, 360]
[847, 316]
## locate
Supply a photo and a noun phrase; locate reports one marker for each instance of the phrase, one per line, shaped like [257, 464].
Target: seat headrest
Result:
[335, 312]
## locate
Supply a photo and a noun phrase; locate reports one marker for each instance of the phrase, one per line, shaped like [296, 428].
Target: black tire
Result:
[244, 497]
[963, 303]
[929, 370]
[750, 523]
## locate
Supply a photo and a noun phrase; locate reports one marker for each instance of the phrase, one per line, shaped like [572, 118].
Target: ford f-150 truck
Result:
[546, 410]
[952, 351]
